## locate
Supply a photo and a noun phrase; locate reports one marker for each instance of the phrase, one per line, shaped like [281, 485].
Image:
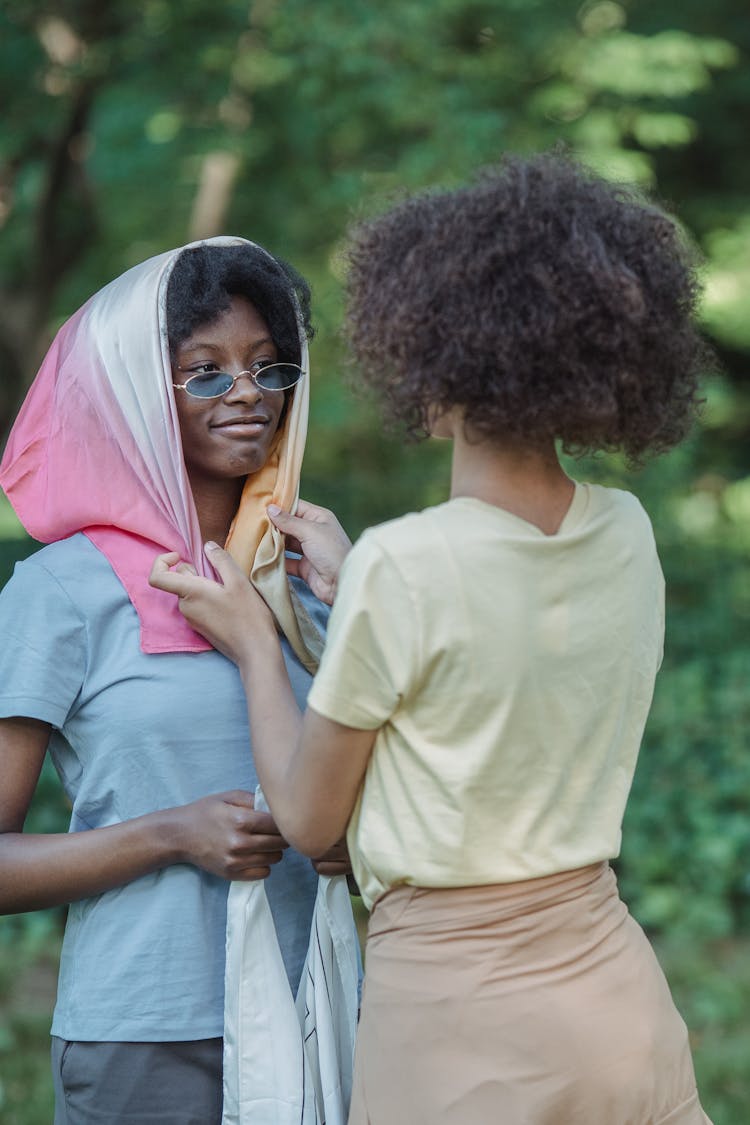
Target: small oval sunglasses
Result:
[215, 384]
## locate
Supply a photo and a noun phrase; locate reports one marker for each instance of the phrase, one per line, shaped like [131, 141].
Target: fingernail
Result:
[211, 546]
[273, 509]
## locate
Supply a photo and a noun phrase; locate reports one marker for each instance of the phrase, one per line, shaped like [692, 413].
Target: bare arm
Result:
[310, 767]
[221, 833]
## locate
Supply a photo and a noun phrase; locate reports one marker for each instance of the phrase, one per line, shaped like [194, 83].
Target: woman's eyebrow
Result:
[186, 349]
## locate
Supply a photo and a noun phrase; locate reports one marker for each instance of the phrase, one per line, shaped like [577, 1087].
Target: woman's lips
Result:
[244, 426]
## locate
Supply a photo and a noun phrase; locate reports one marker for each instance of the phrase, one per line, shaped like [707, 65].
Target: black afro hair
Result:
[543, 300]
[204, 278]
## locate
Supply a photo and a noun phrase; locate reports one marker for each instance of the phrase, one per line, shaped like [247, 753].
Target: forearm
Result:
[40, 871]
[275, 729]
[310, 768]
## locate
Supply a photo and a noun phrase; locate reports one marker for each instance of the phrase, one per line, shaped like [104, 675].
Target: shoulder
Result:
[388, 569]
[383, 566]
[71, 571]
[65, 558]
[403, 539]
[620, 509]
[621, 535]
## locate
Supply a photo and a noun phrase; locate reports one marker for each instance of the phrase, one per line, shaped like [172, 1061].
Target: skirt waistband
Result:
[496, 903]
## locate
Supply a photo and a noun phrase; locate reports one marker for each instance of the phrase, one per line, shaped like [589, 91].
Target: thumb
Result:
[222, 562]
[282, 519]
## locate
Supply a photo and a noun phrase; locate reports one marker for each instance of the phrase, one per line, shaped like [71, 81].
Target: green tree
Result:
[133, 126]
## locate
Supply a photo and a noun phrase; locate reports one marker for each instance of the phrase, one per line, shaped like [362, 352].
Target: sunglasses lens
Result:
[278, 376]
[214, 384]
[209, 384]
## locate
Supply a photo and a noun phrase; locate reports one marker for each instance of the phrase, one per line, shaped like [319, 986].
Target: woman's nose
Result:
[244, 389]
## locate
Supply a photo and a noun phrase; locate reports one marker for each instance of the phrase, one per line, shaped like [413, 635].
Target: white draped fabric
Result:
[287, 1061]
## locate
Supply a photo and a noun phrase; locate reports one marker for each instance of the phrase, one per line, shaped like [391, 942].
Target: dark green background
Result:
[313, 113]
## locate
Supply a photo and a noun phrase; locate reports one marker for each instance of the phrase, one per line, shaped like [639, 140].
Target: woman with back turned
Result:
[490, 661]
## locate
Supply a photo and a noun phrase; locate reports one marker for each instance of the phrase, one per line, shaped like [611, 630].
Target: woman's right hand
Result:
[319, 538]
[224, 835]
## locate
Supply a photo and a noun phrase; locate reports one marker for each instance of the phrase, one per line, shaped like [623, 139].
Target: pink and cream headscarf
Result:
[96, 448]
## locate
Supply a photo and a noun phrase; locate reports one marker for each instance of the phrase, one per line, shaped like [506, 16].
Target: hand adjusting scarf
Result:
[96, 448]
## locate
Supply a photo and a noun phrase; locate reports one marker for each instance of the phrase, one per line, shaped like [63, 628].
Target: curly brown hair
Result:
[543, 300]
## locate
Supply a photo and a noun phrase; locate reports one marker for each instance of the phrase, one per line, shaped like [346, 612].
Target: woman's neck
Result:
[216, 502]
[527, 481]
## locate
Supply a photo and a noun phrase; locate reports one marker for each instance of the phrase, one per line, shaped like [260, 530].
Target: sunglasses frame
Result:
[253, 375]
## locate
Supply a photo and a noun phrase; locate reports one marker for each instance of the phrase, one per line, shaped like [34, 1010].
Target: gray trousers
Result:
[148, 1083]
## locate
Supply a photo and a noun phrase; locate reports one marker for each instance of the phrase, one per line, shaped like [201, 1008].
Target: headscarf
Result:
[96, 448]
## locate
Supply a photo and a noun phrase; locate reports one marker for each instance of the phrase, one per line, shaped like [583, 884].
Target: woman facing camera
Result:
[171, 408]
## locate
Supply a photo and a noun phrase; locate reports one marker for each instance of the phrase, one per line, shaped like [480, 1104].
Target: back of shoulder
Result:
[405, 541]
[621, 509]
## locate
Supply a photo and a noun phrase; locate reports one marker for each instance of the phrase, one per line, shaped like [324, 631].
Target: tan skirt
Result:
[534, 1003]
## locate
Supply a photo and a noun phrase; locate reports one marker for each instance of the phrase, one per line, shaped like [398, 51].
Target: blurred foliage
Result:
[711, 986]
[133, 126]
[27, 975]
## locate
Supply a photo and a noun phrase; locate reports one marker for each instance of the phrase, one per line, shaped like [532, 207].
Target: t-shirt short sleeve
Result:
[371, 655]
[42, 646]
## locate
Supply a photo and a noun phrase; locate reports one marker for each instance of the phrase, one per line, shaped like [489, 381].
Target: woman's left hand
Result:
[228, 613]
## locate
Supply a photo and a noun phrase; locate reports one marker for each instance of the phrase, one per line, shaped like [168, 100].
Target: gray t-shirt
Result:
[134, 733]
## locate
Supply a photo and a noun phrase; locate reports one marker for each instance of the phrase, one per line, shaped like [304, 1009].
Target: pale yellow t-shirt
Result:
[510, 675]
